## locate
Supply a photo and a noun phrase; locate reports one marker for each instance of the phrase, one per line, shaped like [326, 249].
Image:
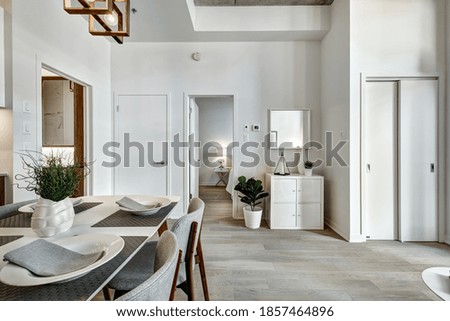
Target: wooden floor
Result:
[263, 264]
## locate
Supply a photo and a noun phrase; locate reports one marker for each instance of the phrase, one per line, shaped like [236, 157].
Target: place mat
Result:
[19, 219]
[75, 290]
[85, 206]
[7, 239]
[127, 219]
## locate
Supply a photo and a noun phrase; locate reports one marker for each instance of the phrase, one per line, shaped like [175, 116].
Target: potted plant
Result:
[54, 179]
[252, 194]
[308, 168]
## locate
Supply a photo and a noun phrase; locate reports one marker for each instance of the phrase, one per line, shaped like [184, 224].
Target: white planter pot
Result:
[51, 218]
[252, 218]
[308, 171]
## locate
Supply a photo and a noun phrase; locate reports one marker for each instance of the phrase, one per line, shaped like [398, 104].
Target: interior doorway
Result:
[399, 159]
[63, 119]
[211, 159]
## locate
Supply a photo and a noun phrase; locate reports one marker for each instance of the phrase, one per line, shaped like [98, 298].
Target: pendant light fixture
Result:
[88, 6]
[109, 18]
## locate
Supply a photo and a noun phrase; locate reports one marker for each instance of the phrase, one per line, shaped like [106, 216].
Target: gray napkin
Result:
[131, 204]
[44, 258]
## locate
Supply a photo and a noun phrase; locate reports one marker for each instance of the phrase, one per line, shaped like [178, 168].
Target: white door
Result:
[194, 152]
[380, 161]
[142, 132]
[417, 163]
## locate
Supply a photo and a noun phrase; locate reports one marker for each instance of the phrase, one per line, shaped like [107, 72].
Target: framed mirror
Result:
[289, 128]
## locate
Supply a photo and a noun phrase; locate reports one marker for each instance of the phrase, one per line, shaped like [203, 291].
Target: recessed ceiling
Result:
[215, 3]
[172, 21]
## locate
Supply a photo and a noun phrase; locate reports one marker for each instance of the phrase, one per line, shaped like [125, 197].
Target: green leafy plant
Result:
[51, 176]
[252, 191]
[308, 164]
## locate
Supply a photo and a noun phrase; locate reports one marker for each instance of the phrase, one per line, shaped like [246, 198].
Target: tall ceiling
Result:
[172, 21]
[215, 3]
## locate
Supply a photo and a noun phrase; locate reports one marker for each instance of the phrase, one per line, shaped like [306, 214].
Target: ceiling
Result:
[215, 3]
[170, 21]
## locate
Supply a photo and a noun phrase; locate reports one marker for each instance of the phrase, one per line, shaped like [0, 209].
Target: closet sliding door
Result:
[380, 160]
[417, 160]
[399, 170]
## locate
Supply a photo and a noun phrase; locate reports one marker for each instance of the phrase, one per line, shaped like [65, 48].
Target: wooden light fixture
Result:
[109, 18]
[88, 6]
[115, 24]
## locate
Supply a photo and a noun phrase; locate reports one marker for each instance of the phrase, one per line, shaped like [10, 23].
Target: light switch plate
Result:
[26, 105]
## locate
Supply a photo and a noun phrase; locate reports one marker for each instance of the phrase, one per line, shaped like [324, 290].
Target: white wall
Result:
[44, 33]
[259, 75]
[216, 125]
[394, 38]
[447, 122]
[335, 114]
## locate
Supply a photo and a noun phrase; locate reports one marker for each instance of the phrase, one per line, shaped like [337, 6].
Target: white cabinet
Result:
[295, 202]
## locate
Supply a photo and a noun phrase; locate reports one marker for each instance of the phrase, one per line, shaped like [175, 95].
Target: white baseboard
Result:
[447, 239]
[335, 228]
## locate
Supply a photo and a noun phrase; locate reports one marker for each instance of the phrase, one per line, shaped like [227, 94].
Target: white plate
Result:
[87, 243]
[149, 201]
[29, 208]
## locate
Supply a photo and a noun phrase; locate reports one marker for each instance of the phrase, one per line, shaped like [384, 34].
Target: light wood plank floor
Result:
[264, 264]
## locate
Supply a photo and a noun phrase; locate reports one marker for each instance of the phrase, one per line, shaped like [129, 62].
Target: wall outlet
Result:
[256, 128]
[27, 127]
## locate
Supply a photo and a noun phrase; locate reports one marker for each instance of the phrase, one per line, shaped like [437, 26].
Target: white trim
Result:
[441, 165]
[331, 224]
[236, 159]
[88, 103]
[168, 136]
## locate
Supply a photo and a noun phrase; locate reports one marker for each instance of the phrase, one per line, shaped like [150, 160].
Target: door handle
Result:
[432, 168]
[367, 168]
[159, 163]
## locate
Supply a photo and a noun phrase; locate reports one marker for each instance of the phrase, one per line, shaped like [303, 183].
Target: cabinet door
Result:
[309, 216]
[283, 216]
[309, 190]
[283, 190]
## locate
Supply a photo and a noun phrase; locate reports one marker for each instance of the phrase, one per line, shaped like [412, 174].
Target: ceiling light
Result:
[116, 24]
[88, 6]
[110, 18]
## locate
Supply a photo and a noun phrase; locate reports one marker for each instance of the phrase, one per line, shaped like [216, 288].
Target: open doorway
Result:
[211, 127]
[63, 109]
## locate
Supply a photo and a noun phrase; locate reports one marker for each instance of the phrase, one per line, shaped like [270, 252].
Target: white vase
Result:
[50, 218]
[308, 171]
[252, 218]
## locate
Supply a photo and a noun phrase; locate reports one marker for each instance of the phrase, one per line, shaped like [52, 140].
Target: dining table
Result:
[95, 216]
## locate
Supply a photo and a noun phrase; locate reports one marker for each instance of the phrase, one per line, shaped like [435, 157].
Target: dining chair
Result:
[188, 230]
[11, 209]
[160, 286]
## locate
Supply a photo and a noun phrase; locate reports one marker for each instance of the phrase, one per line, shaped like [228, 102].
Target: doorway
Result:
[63, 120]
[399, 154]
[211, 133]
